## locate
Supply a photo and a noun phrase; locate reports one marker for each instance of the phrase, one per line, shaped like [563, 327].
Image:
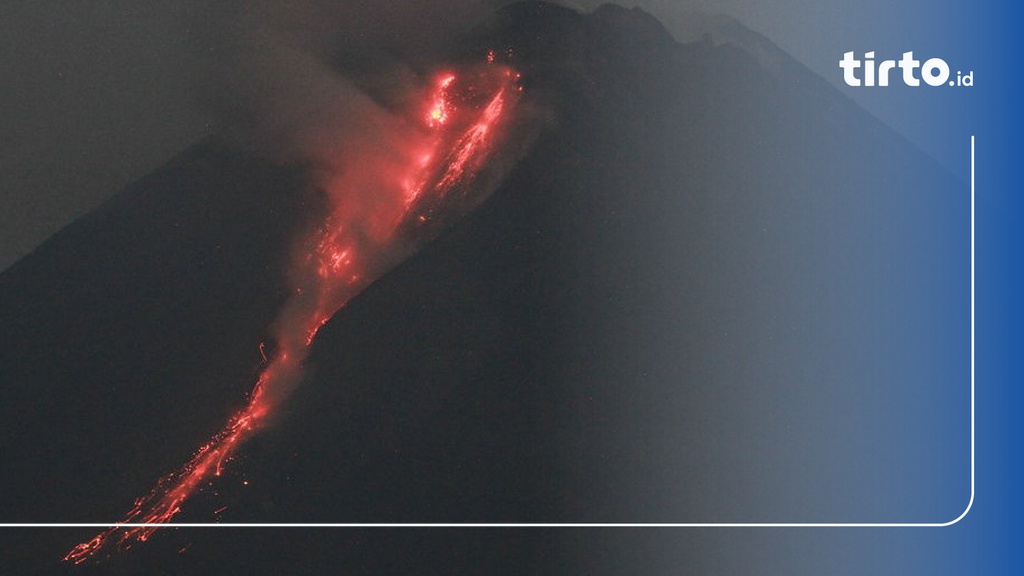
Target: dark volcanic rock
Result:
[688, 303]
[136, 325]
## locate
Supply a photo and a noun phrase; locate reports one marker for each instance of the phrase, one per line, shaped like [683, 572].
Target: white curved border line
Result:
[962, 515]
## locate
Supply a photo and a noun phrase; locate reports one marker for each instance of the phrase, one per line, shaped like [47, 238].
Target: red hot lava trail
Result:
[375, 220]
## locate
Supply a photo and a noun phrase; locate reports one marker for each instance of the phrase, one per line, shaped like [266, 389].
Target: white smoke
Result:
[302, 82]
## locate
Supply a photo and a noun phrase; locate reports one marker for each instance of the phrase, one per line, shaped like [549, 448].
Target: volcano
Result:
[714, 290]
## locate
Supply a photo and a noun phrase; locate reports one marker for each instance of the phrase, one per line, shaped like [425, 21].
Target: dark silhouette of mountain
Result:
[713, 291]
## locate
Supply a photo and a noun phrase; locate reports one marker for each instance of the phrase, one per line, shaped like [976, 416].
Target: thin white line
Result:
[504, 525]
[970, 503]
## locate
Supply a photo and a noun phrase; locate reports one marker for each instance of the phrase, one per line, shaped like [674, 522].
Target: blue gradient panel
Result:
[984, 37]
[924, 425]
[792, 343]
[991, 533]
[889, 441]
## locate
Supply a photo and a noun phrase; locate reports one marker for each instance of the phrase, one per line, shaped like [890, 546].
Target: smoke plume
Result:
[306, 82]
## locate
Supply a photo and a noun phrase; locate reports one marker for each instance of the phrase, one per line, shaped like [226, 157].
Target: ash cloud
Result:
[304, 82]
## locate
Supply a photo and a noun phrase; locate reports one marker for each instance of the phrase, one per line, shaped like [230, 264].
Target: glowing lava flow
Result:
[366, 233]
